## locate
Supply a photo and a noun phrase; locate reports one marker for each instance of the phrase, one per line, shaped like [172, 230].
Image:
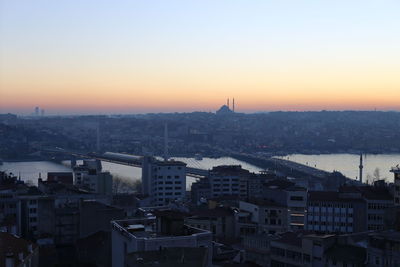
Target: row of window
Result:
[168, 177]
[342, 224]
[169, 168]
[377, 206]
[225, 185]
[169, 188]
[226, 180]
[331, 205]
[168, 193]
[169, 182]
[226, 190]
[330, 214]
[273, 221]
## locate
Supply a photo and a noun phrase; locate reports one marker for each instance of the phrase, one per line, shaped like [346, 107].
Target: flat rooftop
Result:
[146, 228]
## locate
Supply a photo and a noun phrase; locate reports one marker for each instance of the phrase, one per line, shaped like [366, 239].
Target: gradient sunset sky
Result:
[82, 56]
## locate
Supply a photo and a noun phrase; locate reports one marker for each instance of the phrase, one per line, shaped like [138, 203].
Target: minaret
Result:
[233, 104]
[361, 167]
[227, 102]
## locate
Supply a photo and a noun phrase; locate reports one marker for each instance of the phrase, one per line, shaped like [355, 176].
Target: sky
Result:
[103, 57]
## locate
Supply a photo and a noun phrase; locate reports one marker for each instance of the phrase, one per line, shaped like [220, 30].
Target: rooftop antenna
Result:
[166, 141]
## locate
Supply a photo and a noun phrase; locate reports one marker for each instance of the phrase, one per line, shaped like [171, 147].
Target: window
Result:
[296, 198]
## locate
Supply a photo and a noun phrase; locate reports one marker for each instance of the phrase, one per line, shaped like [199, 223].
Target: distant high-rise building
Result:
[37, 110]
[42, 112]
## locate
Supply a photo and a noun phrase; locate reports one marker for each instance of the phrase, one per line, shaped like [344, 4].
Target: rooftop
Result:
[347, 253]
[264, 202]
[232, 170]
[11, 245]
[330, 196]
[171, 163]
[146, 228]
[169, 257]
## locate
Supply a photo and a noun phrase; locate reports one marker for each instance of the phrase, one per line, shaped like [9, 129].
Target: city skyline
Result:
[139, 57]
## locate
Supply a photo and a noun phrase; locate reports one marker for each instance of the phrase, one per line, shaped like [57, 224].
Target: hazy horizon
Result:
[140, 56]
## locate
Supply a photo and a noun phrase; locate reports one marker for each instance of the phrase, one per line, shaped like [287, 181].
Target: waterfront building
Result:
[164, 230]
[89, 176]
[163, 181]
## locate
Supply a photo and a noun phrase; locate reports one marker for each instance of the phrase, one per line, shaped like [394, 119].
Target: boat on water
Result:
[198, 156]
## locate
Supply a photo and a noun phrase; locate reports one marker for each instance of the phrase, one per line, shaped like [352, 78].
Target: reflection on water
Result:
[30, 171]
[348, 163]
[345, 163]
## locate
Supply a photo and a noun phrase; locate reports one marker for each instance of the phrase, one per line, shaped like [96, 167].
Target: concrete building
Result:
[163, 181]
[269, 216]
[257, 248]
[300, 249]
[383, 249]
[221, 222]
[89, 176]
[293, 197]
[352, 209]
[166, 230]
[15, 251]
[396, 172]
[332, 212]
[228, 180]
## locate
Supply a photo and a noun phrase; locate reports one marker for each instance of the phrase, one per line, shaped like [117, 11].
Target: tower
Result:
[361, 167]
[233, 104]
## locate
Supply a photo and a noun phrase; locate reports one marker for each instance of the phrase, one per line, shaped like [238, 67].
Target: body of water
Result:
[345, 163]
[30, 171]
[348, 164]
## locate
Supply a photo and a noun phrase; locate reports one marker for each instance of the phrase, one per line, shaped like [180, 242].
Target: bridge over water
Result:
[119, 158]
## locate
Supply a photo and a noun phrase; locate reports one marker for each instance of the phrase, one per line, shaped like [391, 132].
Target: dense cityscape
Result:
[288, 214]
[212, 133]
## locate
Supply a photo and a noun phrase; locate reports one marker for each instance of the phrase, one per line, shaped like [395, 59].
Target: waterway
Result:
[32, 170]
[345, 163]
[348, 164]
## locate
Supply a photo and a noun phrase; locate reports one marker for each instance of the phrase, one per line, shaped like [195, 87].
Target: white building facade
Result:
[164, 181]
